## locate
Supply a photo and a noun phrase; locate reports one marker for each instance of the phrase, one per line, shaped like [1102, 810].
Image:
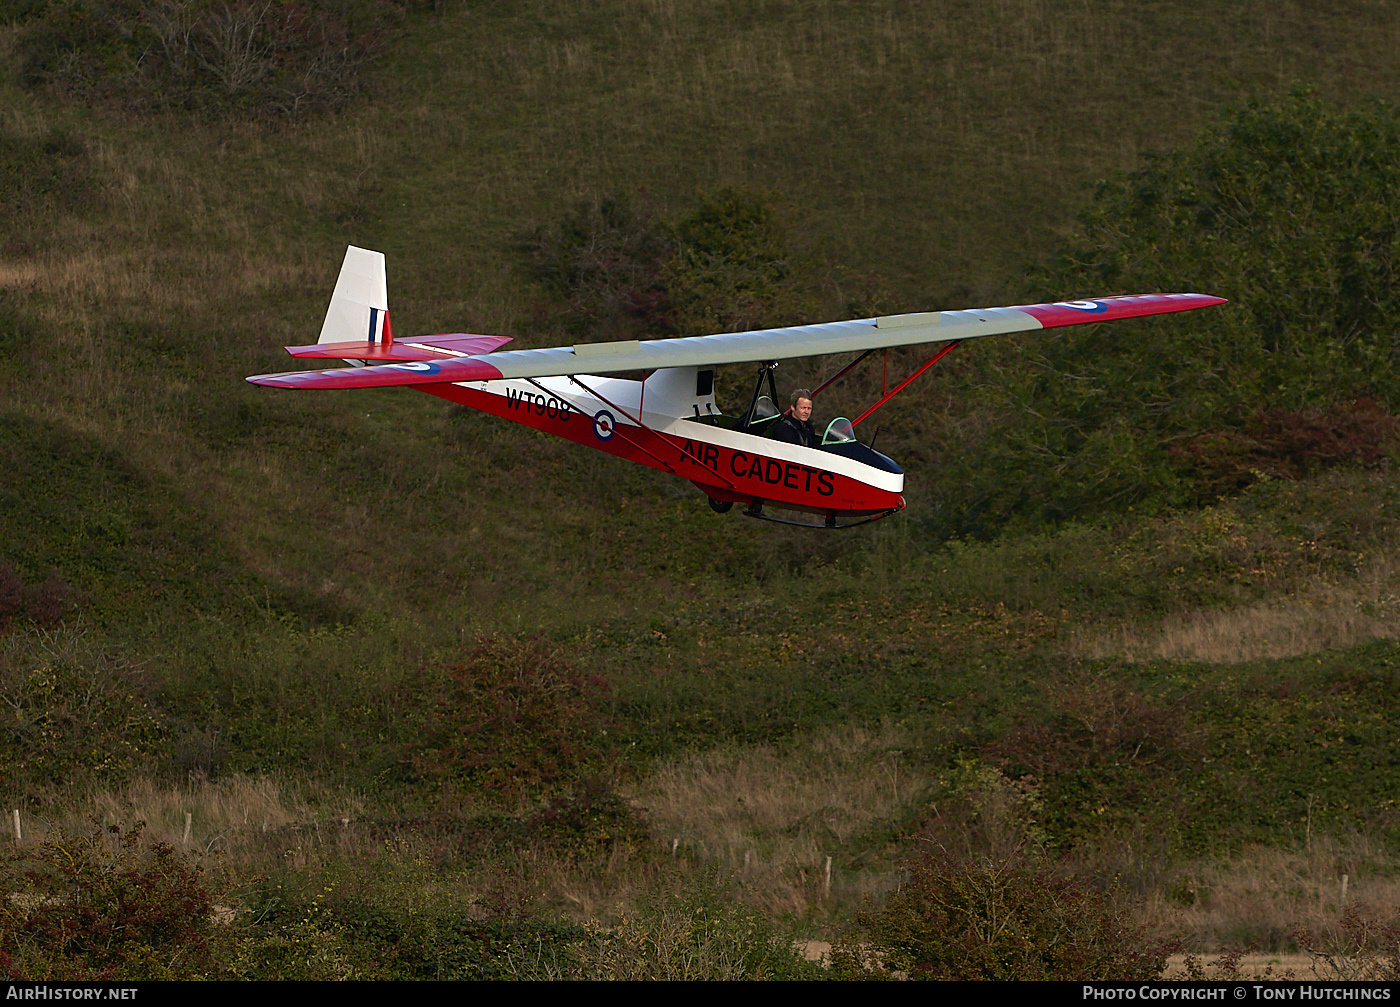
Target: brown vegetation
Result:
[1321, 616]
[775, 815]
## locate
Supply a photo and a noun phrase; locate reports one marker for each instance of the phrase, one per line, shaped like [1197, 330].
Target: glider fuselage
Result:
[664, 423]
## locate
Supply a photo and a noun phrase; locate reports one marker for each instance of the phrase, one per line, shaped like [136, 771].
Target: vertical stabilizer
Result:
[359, 308]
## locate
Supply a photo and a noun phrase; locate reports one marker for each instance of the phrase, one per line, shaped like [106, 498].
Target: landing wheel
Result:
[721, 506]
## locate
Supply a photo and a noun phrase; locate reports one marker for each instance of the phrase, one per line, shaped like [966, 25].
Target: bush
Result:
[603, 263]
[15, 11]
[41, 604]
[1102, 756]
[106, 906]
[51, 168]
[513, 720]
[1289, 444]
[77, 713]
[1363, 946]
[617, 272]
[587, 822]
[976, 917]
[733, 268]
[401, 919]
[256, 56]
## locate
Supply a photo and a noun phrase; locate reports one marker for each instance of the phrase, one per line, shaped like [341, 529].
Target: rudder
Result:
[359, 309]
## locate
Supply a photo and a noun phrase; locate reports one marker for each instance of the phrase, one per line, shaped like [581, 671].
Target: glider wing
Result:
[741, 347]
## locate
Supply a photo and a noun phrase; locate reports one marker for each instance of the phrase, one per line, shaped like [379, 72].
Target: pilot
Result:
[796, 425]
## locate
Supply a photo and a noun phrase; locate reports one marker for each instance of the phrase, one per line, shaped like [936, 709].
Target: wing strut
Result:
[903, 384]
[818, 390]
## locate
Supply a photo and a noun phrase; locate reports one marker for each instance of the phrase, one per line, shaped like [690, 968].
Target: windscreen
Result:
[839, 431]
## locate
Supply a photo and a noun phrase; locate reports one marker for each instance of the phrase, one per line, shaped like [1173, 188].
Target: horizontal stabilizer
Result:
[461, 342]
[366, 351]
[414, 349]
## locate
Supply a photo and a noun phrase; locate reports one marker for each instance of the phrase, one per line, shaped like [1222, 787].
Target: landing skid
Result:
[829, 525]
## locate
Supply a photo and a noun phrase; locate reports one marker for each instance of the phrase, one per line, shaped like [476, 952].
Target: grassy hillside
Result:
[469, 678]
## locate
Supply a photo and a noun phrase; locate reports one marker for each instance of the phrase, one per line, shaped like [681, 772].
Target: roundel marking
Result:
[1096, 307]
[422, 366]
[604, 424]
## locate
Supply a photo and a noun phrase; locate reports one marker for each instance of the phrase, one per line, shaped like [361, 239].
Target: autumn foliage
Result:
[513, 719]
[983, 917]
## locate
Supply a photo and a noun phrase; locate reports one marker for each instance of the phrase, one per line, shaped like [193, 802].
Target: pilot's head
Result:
[802, 404]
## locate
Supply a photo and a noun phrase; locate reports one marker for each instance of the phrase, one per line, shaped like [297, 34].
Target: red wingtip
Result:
[1105, 309]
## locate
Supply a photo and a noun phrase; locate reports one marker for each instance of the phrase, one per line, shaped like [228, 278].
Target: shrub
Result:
[603, 263]
[15, 11]
[404, 919]
[617, 272]
[1289, 444]
[106, 906]
[1363, 945]
[51, 168]
[77, 712]
[1103, 756]
[587, 822]
[41, 604]
[733, 268]
[393, 944]
[256, 56]
[292, 949]
[513, 720]
[975, 917]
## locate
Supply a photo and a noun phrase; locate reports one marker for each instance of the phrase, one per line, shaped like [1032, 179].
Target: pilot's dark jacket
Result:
[795, 431]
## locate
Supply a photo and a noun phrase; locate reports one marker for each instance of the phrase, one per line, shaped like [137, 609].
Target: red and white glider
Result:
[671, 421]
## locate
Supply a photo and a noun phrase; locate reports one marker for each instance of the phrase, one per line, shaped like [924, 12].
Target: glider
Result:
[671, 421]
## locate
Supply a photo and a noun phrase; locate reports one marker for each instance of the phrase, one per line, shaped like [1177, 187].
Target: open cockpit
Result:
[760, 419]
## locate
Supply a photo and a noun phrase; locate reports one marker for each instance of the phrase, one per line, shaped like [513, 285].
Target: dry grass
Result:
[229, 815]
[139, 276]
[1265, 895]
[261, 827]
[774, 815]
[1322, 617]
[1283, 966]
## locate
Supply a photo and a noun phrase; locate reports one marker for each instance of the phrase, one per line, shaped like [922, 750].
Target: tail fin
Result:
[359, 308]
